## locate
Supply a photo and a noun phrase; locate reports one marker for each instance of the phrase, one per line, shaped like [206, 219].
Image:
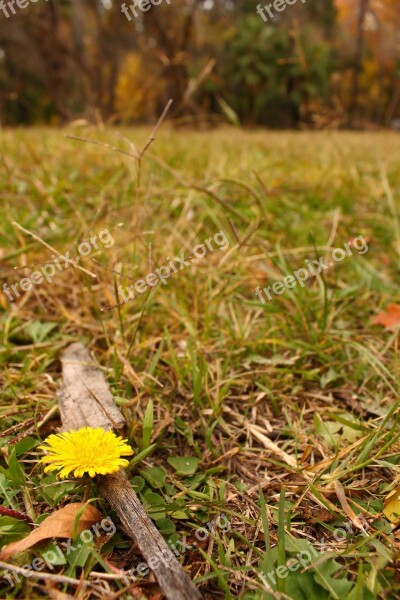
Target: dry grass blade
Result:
[36, 237]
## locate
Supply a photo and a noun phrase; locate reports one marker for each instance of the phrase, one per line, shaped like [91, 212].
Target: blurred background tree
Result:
[318, 63]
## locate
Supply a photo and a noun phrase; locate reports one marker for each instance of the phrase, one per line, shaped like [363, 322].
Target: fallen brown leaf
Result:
[60, 524]
[315, 515]
[350, 400]
[390, 318]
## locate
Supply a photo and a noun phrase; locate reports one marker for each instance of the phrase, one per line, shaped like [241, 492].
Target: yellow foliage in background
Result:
[138, 95]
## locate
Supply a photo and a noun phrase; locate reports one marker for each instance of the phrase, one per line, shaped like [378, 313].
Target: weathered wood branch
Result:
[85, 400]
[84, 397]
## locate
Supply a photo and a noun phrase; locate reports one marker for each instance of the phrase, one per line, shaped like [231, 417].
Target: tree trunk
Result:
[358, 63]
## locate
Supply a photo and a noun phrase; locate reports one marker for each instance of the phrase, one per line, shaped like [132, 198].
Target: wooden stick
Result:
[47, 576]
[173, 580]
[86, 401]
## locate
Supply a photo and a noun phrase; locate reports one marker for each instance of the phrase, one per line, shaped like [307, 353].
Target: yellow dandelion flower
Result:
[89, 450]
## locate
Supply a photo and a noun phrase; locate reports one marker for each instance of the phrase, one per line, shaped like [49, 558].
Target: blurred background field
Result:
[319, 63]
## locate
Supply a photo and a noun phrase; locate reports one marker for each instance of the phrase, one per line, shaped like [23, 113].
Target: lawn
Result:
[266, 430]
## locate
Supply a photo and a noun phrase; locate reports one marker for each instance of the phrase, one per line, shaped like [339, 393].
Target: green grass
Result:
[200, 367]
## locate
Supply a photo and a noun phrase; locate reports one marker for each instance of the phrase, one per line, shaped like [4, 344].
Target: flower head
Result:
[89, 450]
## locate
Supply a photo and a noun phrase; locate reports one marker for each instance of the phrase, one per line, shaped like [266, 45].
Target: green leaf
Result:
[78, 557]
[339, 587]
[57, 556]
[25, 445]
[267, 558]
[141, 456]
[180, 515]
[7, 490]
[53, 494]
[15, 470]
[281, 537]
[184, 465]
[155, 476]
[12, 529]
[296, 545]
[148, 422]
[302, 586]
[138, 483]
[155, 505]
[166, 526]
[38, 331]
[329, 377]
[184, 429]
[194, 480]
[360, 590]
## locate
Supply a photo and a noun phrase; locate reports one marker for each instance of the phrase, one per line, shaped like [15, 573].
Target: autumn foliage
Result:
[322, 63]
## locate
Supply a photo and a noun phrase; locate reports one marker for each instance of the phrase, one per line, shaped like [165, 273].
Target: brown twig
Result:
[36, 237]
[86, 400]
[48, 576]
[152, 136]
